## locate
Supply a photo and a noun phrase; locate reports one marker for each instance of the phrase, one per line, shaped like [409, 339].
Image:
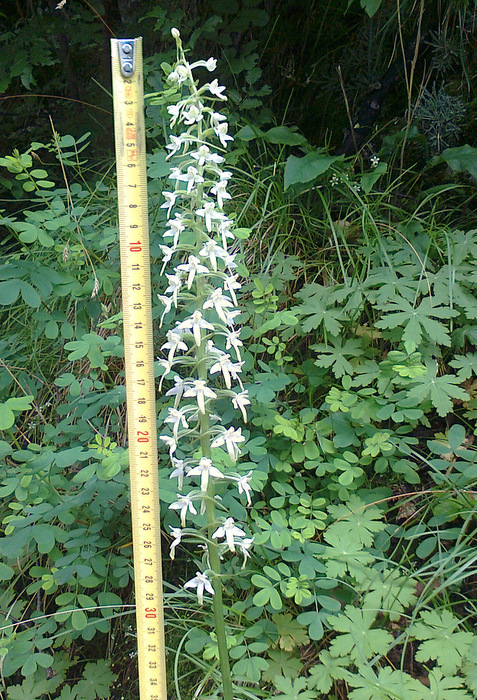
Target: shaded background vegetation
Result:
[339, 262]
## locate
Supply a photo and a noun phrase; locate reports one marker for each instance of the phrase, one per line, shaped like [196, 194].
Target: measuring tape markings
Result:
[139, 358]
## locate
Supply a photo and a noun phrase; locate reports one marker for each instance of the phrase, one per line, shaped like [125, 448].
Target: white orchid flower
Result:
[202, 583]
[194, 114]
[233, 341]
[180, 385]
[176, 227]
[209, 213]
[170, 442]
[245, 546]
[185, 504]
[217, 90]
[221, 193]
[205, 155]
[170, 201]
[179, 472]
[193, 266]
[210, 64]
[227, 368]
[167, 303]
[176, 533]
[200, 391]
[243, 485]
[178, 419]
[229, 530]
[239, 401]
[221, 131]
[231, 438]
[205, 470]
[174, 343]
[218, 301]
[194, 323]
[212, 251]
[175, 283]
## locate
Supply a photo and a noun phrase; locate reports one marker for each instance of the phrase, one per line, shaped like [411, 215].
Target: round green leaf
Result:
[6, 572]
[79, 620]
[7, 417]
[9, 291]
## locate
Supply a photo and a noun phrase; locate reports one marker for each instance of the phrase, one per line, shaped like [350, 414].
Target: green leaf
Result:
[6, 572]
[462, 158]
[30, 295]
[335, 355]
[356, 520]
[469, 667]
[358, 638]
[388, 591]
[370, 6]
[308, 168]
[250, 668]
[7, 417]
[291, 633]
[441, 390]
[446, 687]
[30, 689]
[389, 683]
[96, 681]
[9, 291]
[441, 643]
[79, 620]
[416, 321]
[293, 689]
[284, 135]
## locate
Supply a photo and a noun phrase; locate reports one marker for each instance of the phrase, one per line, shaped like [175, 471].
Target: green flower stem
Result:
[214, 559]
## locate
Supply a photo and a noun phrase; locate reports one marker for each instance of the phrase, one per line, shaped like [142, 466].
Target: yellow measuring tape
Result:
[128, 103]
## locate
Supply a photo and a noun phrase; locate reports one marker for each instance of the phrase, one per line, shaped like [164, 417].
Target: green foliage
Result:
[359, 359]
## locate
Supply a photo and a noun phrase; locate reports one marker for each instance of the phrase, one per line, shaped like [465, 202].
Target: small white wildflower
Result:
[193, 115]
[175, 283]
[230, 285]
[217, 90]
[170, 442]
[374, 161]
[176, 226]
[178, 419]
[194, 324]
[193, 267]
[184, 504]
[175, 145]
[179, 472]
[210, 64]
[218, 301]
[229, 530]
[202, 583]
[200, 391]
[220, 191]
[209, 213]
[204, 155]
[175, 33]
[231, 439]
[212, 250]
[205, 470]
[192, 177]
[229, 369]
[221, 133]
[176, 533]
[174, 343]
[178, 389]
[170, 201]
[241, 400]
[245, 546]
